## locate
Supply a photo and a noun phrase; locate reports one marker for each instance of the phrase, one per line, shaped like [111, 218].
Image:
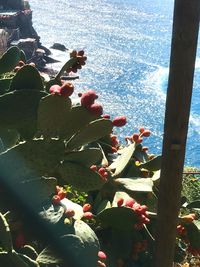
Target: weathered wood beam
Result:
[182, 63]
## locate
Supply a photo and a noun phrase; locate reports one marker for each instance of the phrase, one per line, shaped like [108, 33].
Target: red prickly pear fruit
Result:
[93, 167]
[119, 121]
[62, 194]
[21, 63]
[101, 264]
[96, 109]
[102, 255]
[146, 133]
[88, 215]
[56, 199]
[135, 137]
[114, 149]
[20, 240]
[32, 64]
[55, 89]
[87, 207]
[67, 89]
[88, 98]
[17, 68]
[81, 53]
[129, 202]
[106, 116]
[142, 129]
[69, 213]
[139, 140]
[120, 202]
[101, 171]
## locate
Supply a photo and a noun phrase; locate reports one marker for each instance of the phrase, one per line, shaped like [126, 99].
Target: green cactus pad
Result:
[152, 165]
[16, 260]
[18, 109]
[118, 218]
[78, 118]
[9, 59]
[193, 233]
[92, 132]
[90, 241]
[121, 162]
[4, 85]
[31, 159]
[27, 78]
[5, 235]
[80, 176]
[85, 157]
[105, 204]
[52, 113]
[70, 63]
[9, 137]
[52, 215]
[135, 184]
[41, 188]
[48, 257]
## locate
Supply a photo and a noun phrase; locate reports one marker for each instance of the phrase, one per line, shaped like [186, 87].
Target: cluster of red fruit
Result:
[140, 210]
[65, 90]
[60, 194]
[102, 258]
[87, 100]
[137, 137]
[88, 215]
[21, 64]
[102, 171]
[80, 60]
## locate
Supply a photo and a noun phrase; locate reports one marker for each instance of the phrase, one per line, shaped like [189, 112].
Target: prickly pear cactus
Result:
[80, 177]
[92, 132]
[9, 59]
[85, 157]
[52, 114]
[18, 110]
[31, 159]
[27, 78]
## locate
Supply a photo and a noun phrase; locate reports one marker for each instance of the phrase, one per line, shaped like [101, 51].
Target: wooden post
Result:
[182, 62]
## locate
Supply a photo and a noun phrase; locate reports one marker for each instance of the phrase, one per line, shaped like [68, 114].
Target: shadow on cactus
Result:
[52, 147]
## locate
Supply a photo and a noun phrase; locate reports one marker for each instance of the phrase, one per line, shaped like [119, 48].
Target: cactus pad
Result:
[135, 184]
[80, 176]
[9, 59]
[27, 78]
[31, 159]
[18, 109]
[52, 113]
[92, 132]
[85, 157]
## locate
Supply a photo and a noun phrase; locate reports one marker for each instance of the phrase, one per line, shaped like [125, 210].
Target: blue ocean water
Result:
[128, 47]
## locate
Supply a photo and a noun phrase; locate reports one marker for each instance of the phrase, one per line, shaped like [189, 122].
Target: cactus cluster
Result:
[48, 144]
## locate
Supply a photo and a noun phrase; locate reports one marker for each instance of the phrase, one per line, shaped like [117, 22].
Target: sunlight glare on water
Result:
[128, 48]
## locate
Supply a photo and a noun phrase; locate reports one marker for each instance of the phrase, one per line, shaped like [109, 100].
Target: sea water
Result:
[128, 47]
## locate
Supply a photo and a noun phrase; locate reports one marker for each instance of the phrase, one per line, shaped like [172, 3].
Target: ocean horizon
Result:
[128, 48]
